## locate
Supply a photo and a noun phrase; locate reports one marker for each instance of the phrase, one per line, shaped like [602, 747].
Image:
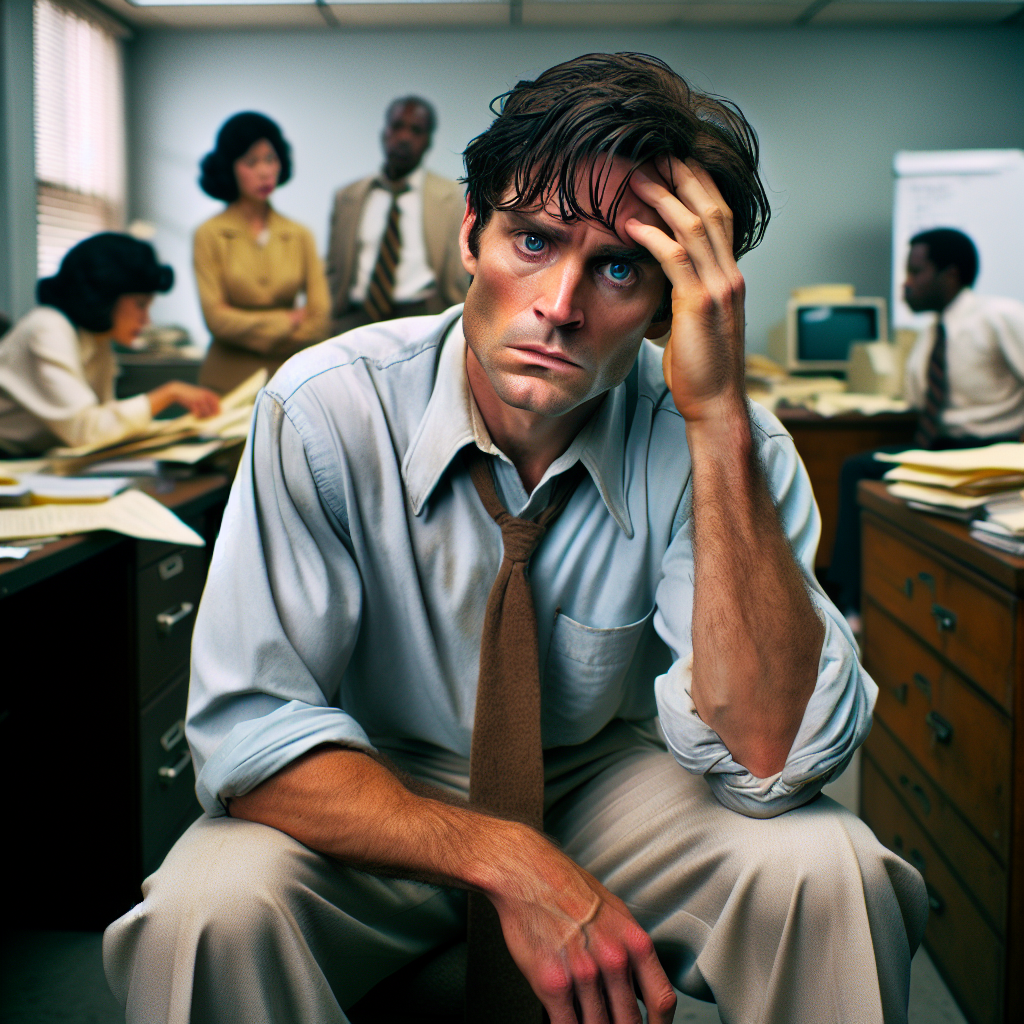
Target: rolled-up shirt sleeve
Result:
[838, 715]
[277, 623]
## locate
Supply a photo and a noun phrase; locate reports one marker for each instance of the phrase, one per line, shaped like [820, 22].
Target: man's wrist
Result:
[724, 422]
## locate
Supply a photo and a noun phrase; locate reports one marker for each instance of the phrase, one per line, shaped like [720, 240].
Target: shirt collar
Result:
[452, 421]
[962, 304]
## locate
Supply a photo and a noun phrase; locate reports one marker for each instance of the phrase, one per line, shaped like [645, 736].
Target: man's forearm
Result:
[346, 804]
[756, 636]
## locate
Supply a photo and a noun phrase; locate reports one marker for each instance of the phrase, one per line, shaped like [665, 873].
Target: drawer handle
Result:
[941, 730]
[173, 736]
[908, 587]
[166, 621]
[935, 902]
[917, 859]
[945, 620]
[900, 693]
[928, 580]
[922, 683]
[918, 791]
[169, 772]
[170, 567]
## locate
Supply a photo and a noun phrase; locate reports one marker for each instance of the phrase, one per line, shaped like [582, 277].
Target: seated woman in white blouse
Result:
[56, 366]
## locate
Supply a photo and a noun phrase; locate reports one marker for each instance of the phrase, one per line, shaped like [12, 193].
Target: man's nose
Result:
[559, 301]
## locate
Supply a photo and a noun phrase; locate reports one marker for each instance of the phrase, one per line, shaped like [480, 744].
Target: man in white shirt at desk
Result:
[965, 374]
[345, 620]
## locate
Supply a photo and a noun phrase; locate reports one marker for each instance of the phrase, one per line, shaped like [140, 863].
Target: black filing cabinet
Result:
[97, 634]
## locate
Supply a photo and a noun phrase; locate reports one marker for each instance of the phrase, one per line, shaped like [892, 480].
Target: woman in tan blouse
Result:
[251, 263]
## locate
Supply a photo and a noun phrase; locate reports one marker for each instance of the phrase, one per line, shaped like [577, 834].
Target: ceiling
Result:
[343, 14]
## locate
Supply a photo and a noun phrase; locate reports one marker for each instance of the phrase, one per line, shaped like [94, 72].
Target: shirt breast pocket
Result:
[585, 677]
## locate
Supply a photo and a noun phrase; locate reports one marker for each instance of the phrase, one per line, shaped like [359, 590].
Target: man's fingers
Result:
[685, 223]
[671, 254]
[655, 988]
[697, 191]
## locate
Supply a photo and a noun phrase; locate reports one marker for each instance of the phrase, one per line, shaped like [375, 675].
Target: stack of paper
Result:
[229, 425]
[39, 489]
[957, 482]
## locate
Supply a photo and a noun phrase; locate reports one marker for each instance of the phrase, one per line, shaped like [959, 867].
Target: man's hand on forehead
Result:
[704, 357]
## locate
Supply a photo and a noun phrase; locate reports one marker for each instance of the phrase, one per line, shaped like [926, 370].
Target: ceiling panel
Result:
[918, 12]
[200, 14]
[560, 13]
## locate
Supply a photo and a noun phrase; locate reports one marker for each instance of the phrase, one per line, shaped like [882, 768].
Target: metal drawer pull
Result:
[173, 736]
[908, 587]
[918, 791]
[935, 902]
[917, 859]
[170, 772]
[941, 730]
[945, 620]
[922, 683]
[166, 621]
[928, 580]
[170, 567]
[900, 693]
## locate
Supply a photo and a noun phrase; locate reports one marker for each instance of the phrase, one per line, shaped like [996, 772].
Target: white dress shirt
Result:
[346, 593]
[414, 280]
[984, 366]
[57, 388]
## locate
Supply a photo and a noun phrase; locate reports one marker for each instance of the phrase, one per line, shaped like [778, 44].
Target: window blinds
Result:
[79, 128]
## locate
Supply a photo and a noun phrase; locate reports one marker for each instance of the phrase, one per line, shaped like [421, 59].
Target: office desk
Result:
[943, 769]
[824, 443]
[95, 632]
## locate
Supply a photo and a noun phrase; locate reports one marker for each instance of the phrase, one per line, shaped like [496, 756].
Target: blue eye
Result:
[619, 272]
[533, 243]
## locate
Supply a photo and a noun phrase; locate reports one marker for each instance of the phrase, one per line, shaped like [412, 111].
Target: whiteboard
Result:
[977, 191]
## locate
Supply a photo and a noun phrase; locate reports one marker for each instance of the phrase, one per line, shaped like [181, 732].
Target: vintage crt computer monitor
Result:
[817, 334]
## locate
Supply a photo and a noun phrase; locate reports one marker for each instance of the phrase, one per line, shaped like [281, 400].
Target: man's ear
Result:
[659, 330]
[468, 223]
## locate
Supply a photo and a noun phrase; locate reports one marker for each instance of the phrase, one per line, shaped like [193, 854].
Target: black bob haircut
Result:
[96, 273]
[551, 131]
[948, 247]
[236, 137]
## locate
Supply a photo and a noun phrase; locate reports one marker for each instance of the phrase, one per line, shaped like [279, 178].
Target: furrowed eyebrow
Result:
[541, 227]
[609, 253]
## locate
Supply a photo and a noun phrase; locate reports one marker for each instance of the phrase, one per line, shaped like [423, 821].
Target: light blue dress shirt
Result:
[346, 592]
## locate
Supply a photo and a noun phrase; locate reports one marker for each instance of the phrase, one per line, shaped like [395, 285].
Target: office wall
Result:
[831, 108]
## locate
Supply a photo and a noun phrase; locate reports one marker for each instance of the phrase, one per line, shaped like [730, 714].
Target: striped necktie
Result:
[936, 394]
[506, 766]
[379, 302]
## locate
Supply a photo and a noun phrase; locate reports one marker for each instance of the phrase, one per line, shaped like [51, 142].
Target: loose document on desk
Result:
[132, 513]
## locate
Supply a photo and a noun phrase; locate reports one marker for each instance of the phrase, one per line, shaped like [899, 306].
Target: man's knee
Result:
[822, 864]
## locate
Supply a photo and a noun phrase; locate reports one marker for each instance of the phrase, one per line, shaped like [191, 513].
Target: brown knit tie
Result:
[506, 768]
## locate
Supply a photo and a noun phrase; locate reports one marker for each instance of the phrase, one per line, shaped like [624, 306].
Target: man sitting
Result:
[371, 651]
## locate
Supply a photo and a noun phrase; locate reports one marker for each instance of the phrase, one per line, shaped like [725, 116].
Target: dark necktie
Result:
[936, 392]
[379, 302]
[506, 773]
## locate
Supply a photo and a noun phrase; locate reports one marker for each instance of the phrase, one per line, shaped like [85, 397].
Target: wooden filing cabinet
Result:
[98, 634]
[943, 768]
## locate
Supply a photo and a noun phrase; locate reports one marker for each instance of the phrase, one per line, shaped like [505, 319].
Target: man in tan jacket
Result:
[394, 236]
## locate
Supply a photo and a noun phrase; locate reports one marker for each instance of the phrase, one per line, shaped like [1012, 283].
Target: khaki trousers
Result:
[799, 919]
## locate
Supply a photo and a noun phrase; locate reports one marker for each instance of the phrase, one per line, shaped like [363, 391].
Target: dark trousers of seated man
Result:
[803, 917]
[844, 568]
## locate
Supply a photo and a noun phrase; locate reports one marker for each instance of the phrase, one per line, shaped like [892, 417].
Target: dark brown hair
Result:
[549, 131]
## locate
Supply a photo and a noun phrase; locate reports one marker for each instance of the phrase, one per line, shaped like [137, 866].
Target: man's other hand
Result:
[577, 944]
